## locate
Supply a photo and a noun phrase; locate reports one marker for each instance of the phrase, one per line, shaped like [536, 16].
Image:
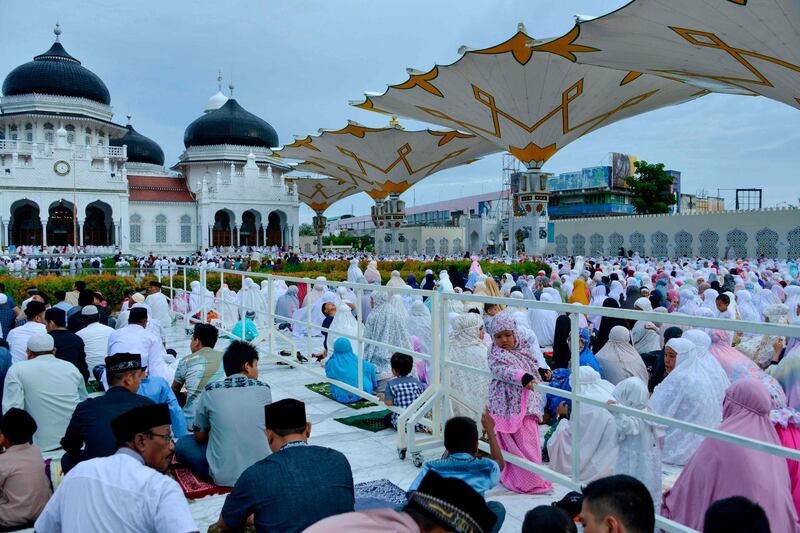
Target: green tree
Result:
[307, 230]
[651, 189]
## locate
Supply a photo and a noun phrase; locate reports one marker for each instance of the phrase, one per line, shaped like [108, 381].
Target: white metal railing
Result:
[432, 409]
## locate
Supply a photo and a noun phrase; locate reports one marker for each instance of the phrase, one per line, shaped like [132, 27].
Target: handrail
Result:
[437, 397]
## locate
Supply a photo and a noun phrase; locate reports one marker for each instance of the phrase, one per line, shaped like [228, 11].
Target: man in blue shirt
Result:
[461, 461]
[276, 490]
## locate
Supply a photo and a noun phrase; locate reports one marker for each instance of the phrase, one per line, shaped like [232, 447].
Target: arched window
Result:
[29, 132]
[457, 246]
[12, 130]
[186, 229]
[161, 229]
[101, 138]
[136, 228]
[443, 246]
[88, 136]
[430, 247]
[48, 132]
[70, 133]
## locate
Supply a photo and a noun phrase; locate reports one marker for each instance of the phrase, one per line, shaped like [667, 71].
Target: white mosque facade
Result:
[71, 175]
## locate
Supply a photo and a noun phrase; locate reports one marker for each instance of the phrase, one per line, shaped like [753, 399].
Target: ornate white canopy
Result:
[320, 193]
[529, 101]
[380, 161]
[733, 46]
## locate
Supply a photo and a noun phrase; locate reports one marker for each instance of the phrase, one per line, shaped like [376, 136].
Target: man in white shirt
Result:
[95, 337]
[126, 492]
[159, 304]
[17, 338]
[134, 338]
[47, 388]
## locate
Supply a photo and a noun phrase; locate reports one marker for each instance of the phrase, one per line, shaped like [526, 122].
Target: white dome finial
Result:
[129, 119]
[219, 80]
[57, 31]
[230, 88]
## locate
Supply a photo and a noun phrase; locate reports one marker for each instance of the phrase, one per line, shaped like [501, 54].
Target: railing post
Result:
[438, 330]
[574, 364]
[271, 312]
[203, 298]
[360, 334]
[187, 310]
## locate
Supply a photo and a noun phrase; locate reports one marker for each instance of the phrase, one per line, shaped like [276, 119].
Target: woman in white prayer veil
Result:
[684, 394]
[286, 305]
[747, 311]
[419, 323]
[554, 294]
[250, 300]
[227, 307]
[615, 290]
[387, 323]
[317, 316]
[197, 296]
[316, 293]
[507, 284]
[353, 272]
[598, 297]
[688, 302]
[708, 363]
[543, 322]
[710, 300]
[343, 322]
[467, 348]
[598, 444]
[644, 334]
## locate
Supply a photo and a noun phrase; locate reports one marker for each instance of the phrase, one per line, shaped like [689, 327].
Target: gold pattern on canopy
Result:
[529, 101]
[729, 46]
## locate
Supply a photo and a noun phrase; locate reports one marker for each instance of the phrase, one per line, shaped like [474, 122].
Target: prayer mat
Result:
[324, 389]
[94, 386]
[373, 421]
[194, 487]
[381, 489]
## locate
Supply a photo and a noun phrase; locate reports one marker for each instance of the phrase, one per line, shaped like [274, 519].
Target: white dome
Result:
[215, 102]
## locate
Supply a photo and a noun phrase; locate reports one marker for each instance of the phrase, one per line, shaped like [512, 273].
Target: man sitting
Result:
[276, 490]
[47, 388]
[91, 422]
[24, 488]
[159, 304]
[197, 370]
[69, 346]
[461, 461]
[228, 421]
[404, 389]
[18, 337]
[617, 503]
[95, 337]
[134, 338]
[125, 492]
[61, 302]
[439, 504]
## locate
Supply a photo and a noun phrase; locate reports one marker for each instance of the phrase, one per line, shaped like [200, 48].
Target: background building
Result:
[69, 175]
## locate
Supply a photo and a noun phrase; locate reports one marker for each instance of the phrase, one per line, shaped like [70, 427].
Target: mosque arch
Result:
[276, 226]
[561, 245]
[683, 243]
[637, 242]
[659, 241]
[444, 246]
[615, 242]
[474, 241]
[61, 227]
[578, 244]
[737, 239]
[767, 240]
[249, 228]
[98, 226]
[222, 231]
[25, 224]
[596, 244]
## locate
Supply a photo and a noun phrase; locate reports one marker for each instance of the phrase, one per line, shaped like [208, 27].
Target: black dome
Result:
[55, 72]
[140, 148]
[230, 124]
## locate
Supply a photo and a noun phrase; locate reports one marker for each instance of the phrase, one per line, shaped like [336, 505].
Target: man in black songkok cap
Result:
[275, 490]
[136, 496]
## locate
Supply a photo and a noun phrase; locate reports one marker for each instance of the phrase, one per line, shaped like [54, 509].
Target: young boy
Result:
[723, 302]
[461, 461]
[489, 310]
[24, 489]
[403, 389]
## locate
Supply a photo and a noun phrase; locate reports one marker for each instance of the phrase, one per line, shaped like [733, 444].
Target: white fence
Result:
[432, 408]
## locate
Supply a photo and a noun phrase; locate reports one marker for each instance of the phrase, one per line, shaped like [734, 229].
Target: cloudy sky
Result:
[297, 63]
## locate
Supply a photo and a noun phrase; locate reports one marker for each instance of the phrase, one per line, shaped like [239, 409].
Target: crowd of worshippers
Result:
[212, 413]
[736, 381]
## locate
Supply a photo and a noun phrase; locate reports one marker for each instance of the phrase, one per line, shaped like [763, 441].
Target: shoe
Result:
[302, 358]
[285, 353]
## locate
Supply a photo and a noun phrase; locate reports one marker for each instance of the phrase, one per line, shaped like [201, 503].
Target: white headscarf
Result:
[317, 316]
[598, 444]
[708, 363]
[792, 301]
[684, 395]
[619, 359]
[343, 322]
[615, 290]
[387, 323]
[229, 311]
[467, 348]
[747, 311]
[710, 300]
[250, 299]
[419, 325]
[543, 323]
[395, 280]
[353, 271]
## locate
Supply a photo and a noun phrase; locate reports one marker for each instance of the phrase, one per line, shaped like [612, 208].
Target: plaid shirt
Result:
[402, 392]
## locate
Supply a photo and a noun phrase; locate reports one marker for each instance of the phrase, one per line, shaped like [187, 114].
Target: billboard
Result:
[588, 178]
[621, 167]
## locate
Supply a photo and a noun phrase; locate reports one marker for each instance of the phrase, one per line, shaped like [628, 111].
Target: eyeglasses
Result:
[167, 437]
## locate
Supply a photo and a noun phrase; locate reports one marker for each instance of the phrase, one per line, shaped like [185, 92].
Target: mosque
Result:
[71, 175]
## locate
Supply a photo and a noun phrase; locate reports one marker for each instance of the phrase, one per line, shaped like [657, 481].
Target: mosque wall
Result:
[767, 232]
[163, 228]
[428, 240]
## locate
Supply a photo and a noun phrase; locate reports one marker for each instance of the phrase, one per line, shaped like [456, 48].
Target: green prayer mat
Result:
[373, 421]
[324, 388]
[94, 386]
